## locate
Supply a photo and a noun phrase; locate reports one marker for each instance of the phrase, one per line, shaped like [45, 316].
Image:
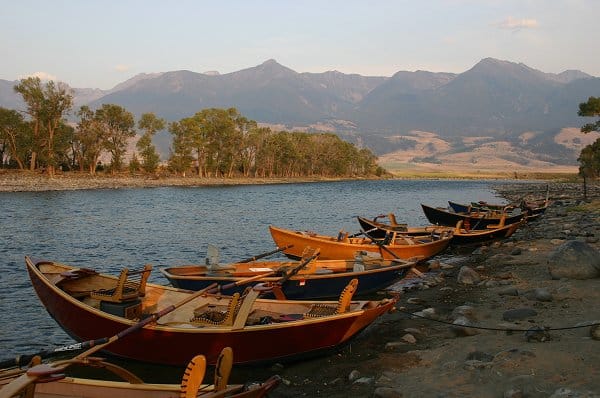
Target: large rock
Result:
[468, 276]
[574, 260]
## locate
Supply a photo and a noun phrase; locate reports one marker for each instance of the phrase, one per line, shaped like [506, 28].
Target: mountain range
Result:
[532, 114]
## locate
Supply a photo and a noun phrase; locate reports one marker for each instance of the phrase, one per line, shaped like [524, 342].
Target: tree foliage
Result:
[15, 138]
[590, 108]
[150, 124]
[117, 126]
[46, 104]
[589, 159]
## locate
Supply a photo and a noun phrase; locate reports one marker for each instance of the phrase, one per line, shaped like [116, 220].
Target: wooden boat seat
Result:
[130, 286]
[343, 305]
[394, 223]
[500, 223]
[215, 316]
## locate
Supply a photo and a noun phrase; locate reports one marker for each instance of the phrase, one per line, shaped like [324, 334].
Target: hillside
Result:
[498, 100]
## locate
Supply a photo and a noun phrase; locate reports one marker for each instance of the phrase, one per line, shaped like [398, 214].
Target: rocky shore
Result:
[513, 319]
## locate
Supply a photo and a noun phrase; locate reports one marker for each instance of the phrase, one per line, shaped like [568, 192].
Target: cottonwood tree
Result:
[46, 106]
[88, 141]
[117, 125]
[15, 135]
[185, 143]
[58, 100]
[590, 108]
[150, 124]
[589, 159]
[33, 95]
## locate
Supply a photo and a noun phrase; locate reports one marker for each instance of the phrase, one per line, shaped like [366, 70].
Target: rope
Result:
[496, 329]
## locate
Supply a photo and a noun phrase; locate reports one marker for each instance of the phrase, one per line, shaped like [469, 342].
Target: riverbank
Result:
[19, 181]
[26, 181]
[510, 330]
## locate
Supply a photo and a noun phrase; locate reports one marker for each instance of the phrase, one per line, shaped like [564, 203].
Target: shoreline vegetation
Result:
[35, 181]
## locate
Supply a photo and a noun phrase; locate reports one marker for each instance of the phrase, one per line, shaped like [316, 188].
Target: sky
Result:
[101, 43]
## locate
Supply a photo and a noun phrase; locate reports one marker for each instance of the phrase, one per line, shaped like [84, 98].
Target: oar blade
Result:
[193, 377]
[223, 368]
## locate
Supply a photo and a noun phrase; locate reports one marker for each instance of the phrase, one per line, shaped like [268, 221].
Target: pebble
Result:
[354, 375]
[519, 314]
[388, 392]
[595, 332]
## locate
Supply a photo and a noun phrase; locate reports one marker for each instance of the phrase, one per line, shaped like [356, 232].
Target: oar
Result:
[383, 247]
[279, 249]
[363, 232]
[297, 268]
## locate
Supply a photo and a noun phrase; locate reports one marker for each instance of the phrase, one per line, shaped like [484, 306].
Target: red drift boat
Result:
[89, 305]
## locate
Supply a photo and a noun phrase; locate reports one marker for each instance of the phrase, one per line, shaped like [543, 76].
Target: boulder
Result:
[468, 276]
[574, 260]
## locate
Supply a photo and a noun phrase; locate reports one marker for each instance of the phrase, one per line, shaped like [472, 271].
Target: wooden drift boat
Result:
[344, 246]
[472, 220]
[460, 235]
[315, 279]
[46, 381]
[88, 305]
[379, 229]
[533, 209]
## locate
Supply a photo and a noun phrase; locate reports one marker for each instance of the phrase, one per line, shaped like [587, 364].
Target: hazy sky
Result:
[89, 43]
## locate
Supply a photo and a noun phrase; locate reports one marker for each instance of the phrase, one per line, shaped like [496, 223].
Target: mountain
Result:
[498, 99]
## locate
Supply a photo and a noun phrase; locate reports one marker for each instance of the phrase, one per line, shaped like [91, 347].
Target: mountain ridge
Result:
[496, 98]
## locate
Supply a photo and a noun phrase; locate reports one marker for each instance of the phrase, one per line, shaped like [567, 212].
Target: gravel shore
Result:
[35, 182]
[492, 322]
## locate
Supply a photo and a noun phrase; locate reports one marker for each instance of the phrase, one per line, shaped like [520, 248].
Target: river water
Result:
[109, 229]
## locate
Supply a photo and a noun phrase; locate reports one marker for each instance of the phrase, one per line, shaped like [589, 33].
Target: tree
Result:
[33, 95]
[46, 106]
[117, 126]
[590, 108]
[15, 134]
[57, 101]
[150, 124]
[181, 157]
[589, 159]
[88, 141]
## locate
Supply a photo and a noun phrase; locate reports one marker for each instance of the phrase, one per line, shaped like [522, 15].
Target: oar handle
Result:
[259, 256]
[295, 270]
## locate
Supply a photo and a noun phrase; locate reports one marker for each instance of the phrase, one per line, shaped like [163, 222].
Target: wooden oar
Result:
[43, 370]
[259, 256]
[383, 247]
[297, 269]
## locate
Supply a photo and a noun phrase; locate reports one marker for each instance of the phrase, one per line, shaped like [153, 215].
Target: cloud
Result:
[122, 68]
[512, 23]
[44, 76]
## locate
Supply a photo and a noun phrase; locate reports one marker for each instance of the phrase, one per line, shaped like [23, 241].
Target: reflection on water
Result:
[110, 229]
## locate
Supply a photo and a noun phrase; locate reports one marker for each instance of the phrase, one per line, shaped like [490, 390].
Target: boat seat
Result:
[216, 317]
[130, 286]
[343, 305]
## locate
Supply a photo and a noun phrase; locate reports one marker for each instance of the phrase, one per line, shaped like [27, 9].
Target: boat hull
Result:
[176, 345]
[460, 237]
[333, 249]
[304, 287]
[476, 221]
